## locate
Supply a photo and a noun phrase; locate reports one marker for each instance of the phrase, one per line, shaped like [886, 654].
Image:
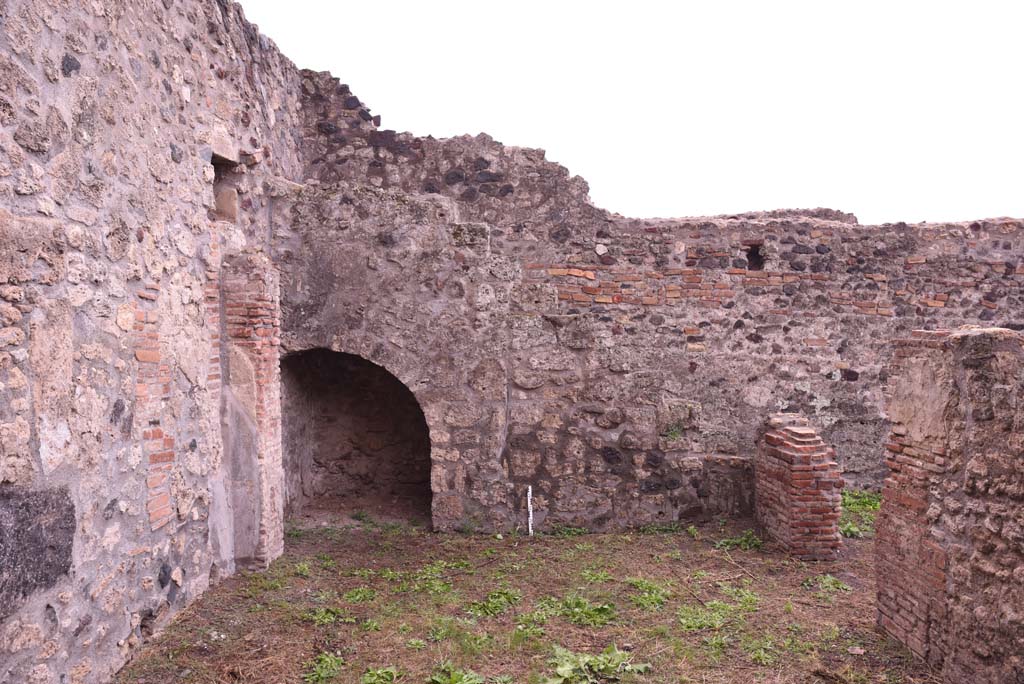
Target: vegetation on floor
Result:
[383, 604]
[859, 510]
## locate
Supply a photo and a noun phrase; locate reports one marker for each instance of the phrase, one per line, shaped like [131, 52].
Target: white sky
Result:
[896, 111]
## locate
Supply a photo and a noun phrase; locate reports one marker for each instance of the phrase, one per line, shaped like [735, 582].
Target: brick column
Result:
[798, 489]
[251, 293]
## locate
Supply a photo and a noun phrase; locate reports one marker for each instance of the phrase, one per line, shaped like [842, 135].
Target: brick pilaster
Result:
[251, 292]
[912, 566]
[152, 390]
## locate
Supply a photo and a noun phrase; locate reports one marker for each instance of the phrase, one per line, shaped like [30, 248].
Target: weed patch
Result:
[326, 616]
[761, 650]
[324, 668]
[360, 595]
[650, 595]
[580, 611]
[712, 615]
[595, 576]
[446, 673]
[859, 511]
[383, 675]
[661, 528]
[496, 603]
[748, 541]
[827, 586]
[402, 601]
[583, 668]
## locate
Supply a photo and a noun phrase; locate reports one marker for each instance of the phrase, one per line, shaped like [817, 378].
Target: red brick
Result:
[147, 355]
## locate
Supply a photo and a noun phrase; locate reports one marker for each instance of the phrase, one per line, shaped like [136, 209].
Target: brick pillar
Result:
[949, 545]
[251, 294]
[798, 489]
[911, 567]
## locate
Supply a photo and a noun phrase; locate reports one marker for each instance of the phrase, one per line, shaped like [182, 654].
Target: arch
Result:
[354, 438]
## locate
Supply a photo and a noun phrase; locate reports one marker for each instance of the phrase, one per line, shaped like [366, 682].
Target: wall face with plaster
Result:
[951, 528]
[115, 497]
[180, 206]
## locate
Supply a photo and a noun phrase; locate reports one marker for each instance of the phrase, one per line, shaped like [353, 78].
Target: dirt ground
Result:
[358, 593]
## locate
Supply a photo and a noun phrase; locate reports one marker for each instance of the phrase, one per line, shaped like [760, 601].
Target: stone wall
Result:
[798, 489]
[115, 507]
[165, 172]
[950, 545]
[555, 345]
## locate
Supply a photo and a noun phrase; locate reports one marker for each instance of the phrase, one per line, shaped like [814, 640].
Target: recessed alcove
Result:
[354, 440]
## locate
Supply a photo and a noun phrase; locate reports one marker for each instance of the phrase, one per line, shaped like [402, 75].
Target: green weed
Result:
[859, 511]
[827, 586]
[712, 616]
[761, 650]
[748, 541]
[324, 668]
[580, 611]
[595, 576]
[746, 600]
[583, 668]
[324, 616]
[525, 632]
[715, 646]
[650, 596]
[496, 603]
[674, 432]
[360, 595]
[263, 583]
[446, 673]
[383, 675]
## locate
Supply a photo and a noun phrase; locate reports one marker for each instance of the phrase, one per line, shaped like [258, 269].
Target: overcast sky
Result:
[894, 110]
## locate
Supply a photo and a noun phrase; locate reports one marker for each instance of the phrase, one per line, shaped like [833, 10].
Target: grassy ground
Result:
[359, 601]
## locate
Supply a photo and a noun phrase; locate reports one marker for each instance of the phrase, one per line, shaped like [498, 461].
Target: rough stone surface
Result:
[621, 367]
[950, 543]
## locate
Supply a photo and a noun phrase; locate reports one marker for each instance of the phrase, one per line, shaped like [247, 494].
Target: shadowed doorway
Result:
[355, 440]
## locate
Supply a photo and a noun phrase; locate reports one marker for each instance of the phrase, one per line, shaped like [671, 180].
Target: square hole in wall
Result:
[755, 258]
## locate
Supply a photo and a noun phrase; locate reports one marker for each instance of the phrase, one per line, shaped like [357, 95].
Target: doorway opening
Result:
[355, 441]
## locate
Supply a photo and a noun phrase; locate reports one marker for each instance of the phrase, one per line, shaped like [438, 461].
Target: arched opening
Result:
[354, 438]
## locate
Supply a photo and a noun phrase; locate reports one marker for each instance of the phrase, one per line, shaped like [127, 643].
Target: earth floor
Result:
[357, 599]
